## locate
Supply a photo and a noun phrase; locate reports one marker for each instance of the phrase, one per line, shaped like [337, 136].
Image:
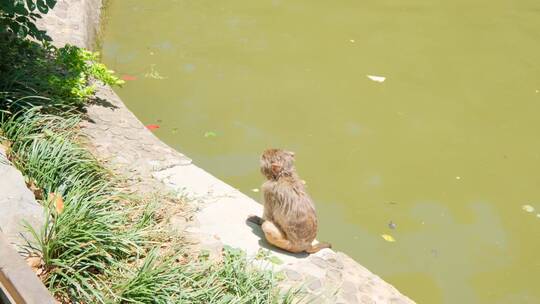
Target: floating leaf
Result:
[210, 134]
[388, 238]
[128, 77]
[152, 127]
[377, 78]
[527, 208]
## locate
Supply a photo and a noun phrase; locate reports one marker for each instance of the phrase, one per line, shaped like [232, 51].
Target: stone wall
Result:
[74, 22]
[17, 205]
[118, 138]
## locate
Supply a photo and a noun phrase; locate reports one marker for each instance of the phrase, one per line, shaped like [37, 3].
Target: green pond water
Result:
[447, 147]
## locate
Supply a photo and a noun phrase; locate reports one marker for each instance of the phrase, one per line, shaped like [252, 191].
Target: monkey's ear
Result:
[276, 168]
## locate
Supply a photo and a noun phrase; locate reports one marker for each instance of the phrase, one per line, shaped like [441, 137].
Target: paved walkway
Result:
[118, 138]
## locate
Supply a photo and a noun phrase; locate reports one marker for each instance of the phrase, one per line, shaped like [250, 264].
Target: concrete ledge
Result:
[19, 283]
[17, 205]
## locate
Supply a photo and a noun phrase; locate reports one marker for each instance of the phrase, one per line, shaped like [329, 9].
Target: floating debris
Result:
[377, 78]
[351, 40]
[392, 225]
[152, 127]
[255, 189]
[388, 238]
[210, 134]
[528, 208]
[458, 177]
[153, 73]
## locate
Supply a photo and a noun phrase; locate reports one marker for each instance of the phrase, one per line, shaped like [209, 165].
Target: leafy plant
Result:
[43, 75]
[19, 16]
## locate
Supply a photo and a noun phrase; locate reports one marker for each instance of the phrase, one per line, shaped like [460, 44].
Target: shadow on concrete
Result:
[102, 102]
[256, 229]
[98, 101]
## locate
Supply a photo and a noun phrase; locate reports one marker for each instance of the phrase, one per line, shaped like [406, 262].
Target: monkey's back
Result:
[288, 205]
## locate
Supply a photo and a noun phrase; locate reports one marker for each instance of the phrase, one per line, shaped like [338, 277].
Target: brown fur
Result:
[289, 220]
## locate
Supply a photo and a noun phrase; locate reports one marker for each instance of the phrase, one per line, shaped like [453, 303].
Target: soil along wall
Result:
[121, 140]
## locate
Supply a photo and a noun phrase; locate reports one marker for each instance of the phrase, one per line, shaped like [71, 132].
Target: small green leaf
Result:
[18, 7]
[21, 31]
[275, 260]
[280, 276]
[210, 134]
[51, 3]
[31, 5]
[42, 6]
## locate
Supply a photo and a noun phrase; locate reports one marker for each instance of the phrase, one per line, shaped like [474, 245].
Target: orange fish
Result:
[152, 127]
[128, 77]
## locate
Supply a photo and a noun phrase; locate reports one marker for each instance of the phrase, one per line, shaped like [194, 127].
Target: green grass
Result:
[103, 246]
[91, 233]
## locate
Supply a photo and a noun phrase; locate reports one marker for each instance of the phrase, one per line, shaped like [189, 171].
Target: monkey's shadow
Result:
[256, 229]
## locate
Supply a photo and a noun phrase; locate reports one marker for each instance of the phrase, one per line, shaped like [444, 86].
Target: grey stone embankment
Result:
[19, 210]
[18, 283]
[18, 207]
[118, 138]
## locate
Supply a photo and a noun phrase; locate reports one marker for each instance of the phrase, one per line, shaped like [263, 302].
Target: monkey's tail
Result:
[318, 246]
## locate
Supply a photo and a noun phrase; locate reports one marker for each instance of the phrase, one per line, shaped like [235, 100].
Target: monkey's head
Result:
[276, 163]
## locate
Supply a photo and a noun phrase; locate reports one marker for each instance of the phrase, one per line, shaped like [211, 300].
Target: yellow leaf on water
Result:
[377, 78]
[388, 237]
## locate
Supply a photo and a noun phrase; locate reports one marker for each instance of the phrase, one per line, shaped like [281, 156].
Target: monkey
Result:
[289, 219]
